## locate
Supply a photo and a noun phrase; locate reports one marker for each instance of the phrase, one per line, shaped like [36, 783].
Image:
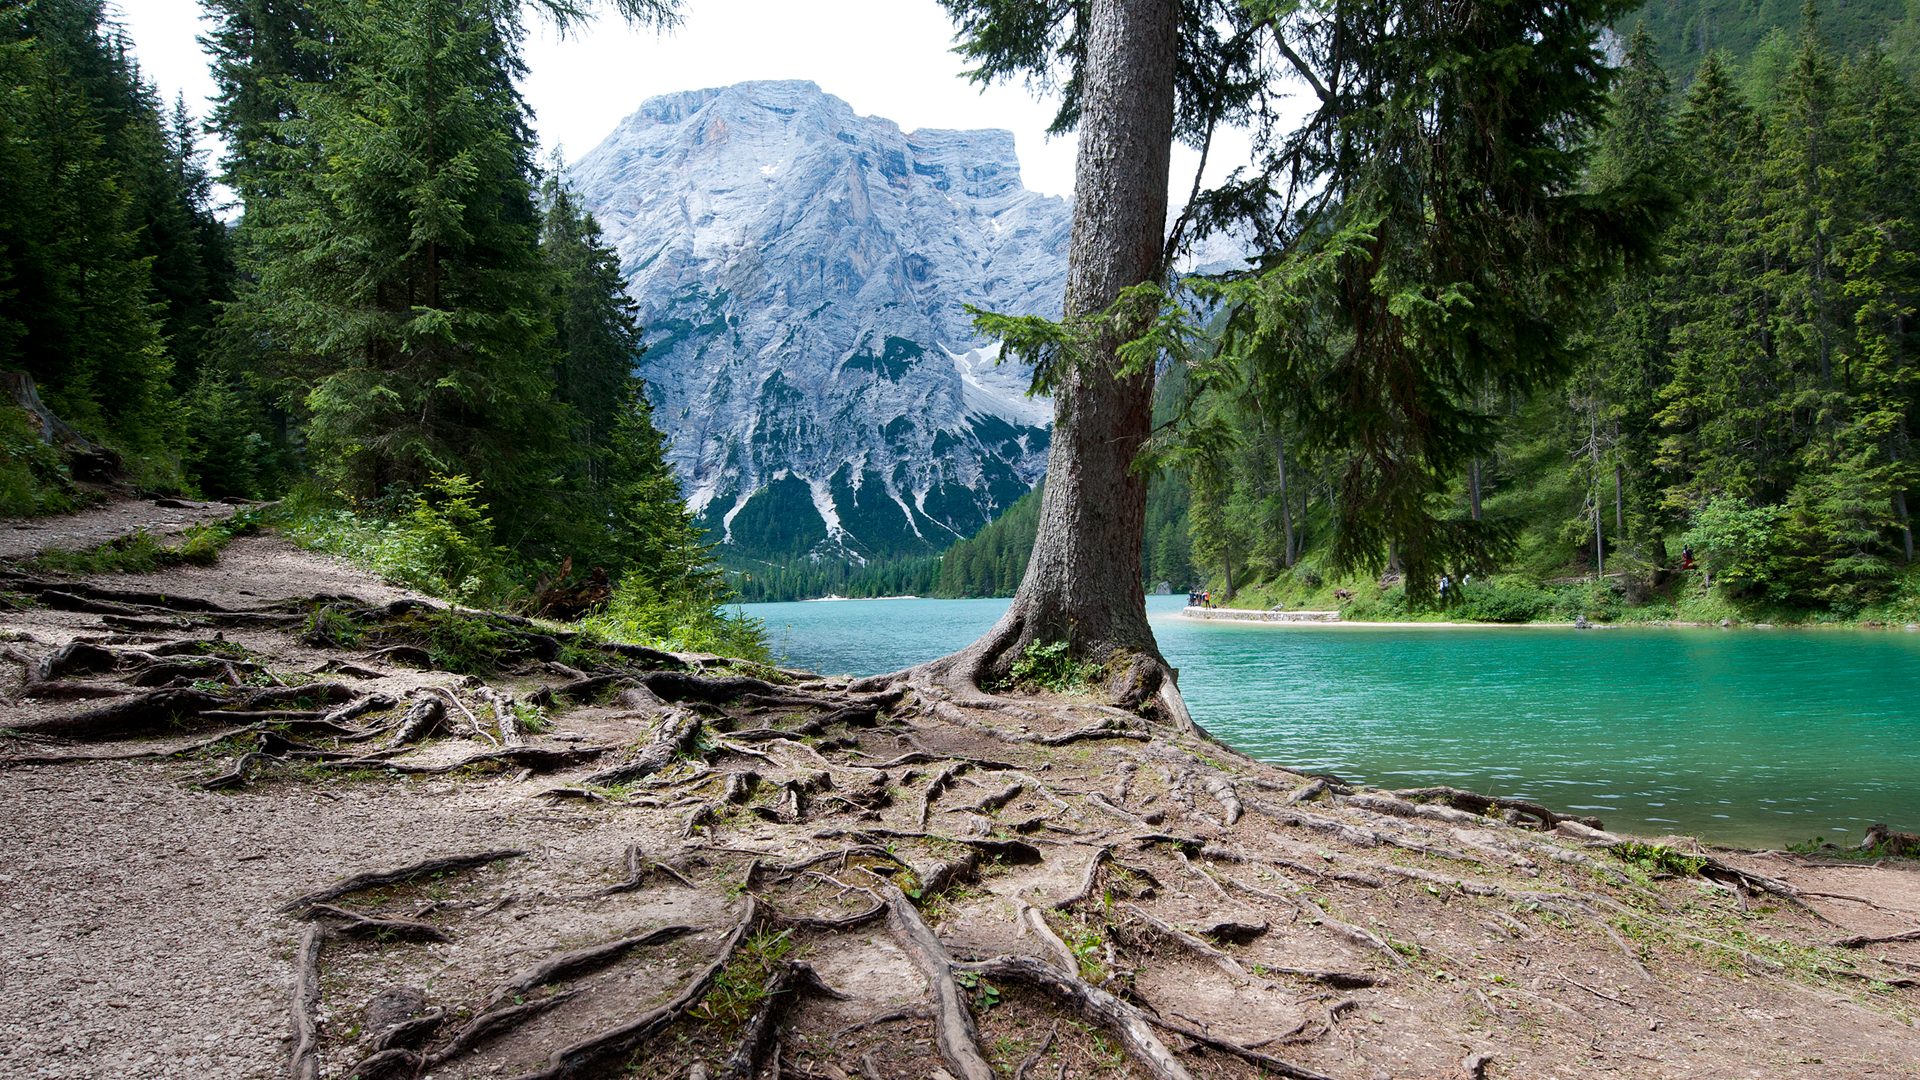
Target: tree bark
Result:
[1083, 580]
[1286, 505]
[1619, 501]
[1599, 537]
[1906, 525]
[1473, 488]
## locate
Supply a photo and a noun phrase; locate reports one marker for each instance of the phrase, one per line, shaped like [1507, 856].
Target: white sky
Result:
[889, 58]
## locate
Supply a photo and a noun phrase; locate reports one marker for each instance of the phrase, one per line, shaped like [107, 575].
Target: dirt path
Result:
[23, 538]
[875, 836]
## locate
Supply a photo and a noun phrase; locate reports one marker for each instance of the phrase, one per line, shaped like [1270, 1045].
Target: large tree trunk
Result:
[1082, 583]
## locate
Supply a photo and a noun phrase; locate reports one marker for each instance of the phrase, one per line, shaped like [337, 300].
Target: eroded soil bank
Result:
[625, 850]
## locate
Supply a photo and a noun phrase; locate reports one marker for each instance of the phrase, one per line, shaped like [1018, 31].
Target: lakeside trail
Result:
[254, 828]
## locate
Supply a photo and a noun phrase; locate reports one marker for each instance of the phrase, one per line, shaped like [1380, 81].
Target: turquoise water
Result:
[1758, 737]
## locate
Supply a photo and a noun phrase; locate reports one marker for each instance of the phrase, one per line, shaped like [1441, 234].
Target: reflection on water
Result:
[1747, 736]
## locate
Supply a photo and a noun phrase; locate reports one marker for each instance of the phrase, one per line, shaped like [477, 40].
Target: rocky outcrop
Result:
[804, 275]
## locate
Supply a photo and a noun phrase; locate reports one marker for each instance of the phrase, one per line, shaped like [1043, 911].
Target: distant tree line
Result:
[989, 563]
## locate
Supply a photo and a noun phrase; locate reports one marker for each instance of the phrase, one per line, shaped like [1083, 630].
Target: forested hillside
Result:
[1685, 31]
[410, 326]
[1749, 390]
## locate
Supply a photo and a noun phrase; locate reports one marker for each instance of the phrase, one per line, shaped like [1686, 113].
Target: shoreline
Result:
[1326, 619]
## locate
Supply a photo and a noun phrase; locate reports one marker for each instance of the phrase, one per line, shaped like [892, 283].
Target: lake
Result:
[1748, 737]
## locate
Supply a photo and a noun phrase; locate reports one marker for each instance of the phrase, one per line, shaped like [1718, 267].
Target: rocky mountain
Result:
[803, 273]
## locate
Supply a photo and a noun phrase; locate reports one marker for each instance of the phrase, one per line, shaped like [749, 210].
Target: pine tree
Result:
[399, 272]
[597, 334]
[1880, 256]
[1716, 409]
[1618, 381]
[77, 314]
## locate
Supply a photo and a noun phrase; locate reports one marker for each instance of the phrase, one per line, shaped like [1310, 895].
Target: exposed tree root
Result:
[1099, 800]
[1476, 803]
[1036, 923]
[399, 875]
[492, 1024]
[1354, 834]
[1227, 964]
[540, 759]
[1223, 793]
[305, 1064]
[905, 1012]
[940, 782]
[680, 686]
[354, 924]
[994, 800]
[235, 777]
[639, 868]
[1088, 881]
[782, 986]
[1128, 1024]
[953, 1028]
[678, 730]
[422, 719]
[1861, 941]
[389, 1064]
[127, 716]
[579, 962]
[575, 1059]
[1244, 1053]
[1027, 1064]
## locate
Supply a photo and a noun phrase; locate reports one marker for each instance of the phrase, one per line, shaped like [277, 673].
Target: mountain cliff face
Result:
[803, 274]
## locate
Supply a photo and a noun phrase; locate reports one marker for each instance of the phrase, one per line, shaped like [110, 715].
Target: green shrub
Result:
[442, 545]
[1503, 603]
[1049, 666]
[33, 476]
[692, 620]
[1657, 858]
[1739, 545]
[463, 644]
